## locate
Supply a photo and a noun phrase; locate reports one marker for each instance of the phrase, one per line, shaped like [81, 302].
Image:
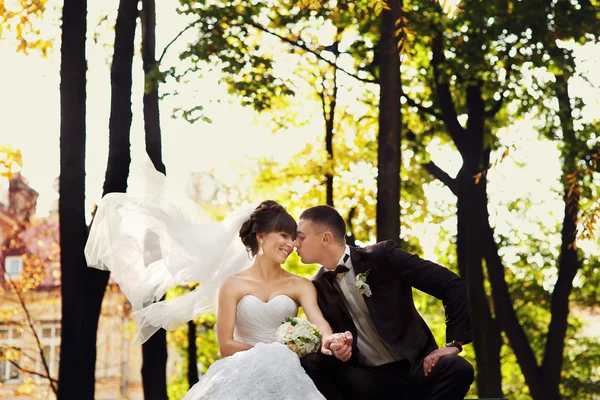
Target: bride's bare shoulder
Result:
[232, 283]
[299, 280]
[236, 283]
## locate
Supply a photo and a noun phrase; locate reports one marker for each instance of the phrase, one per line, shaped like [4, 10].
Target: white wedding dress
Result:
[151, 240]
[268, 371]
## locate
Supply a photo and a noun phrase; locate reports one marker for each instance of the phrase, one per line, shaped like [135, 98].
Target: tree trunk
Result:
[472, 207]
[543, 381]
[151, 107]
[80, 285]
[121, 115]
[192, 353]
[328, 106]
[388, 158]
[350, 237]
[507, 318]
[119, 153]
[569, 261]
[154, 351]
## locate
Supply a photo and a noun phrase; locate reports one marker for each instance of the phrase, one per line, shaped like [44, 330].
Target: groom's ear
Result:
[327, 238]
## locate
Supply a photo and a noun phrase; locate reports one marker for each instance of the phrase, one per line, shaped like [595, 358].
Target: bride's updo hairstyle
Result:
[268, 217]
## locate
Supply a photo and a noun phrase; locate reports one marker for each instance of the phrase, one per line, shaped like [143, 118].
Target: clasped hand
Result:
[339, 345]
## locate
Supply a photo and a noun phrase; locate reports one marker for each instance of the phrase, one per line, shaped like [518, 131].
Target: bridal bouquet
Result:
[299, 335]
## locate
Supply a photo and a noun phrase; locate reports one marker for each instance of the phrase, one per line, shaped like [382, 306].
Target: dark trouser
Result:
[450, 379]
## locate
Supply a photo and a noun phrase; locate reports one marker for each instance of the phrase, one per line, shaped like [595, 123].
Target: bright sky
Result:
[29, 109]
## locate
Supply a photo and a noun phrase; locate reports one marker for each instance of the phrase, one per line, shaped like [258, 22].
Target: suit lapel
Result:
[360, 267]
[335, 294]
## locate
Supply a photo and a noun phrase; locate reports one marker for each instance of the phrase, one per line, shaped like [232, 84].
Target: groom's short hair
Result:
[327, 217]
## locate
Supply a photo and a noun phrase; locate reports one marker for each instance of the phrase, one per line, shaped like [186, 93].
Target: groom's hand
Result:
[342, 349]
[339, 345]
[433, 357]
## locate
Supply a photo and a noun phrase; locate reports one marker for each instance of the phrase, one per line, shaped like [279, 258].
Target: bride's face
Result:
[278, 246]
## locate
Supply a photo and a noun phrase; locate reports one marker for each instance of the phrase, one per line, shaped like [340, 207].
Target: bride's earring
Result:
[260, 250]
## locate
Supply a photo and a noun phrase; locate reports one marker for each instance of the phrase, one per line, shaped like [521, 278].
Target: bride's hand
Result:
[338, 345]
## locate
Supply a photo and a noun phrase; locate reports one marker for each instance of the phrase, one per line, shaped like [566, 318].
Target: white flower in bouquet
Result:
[299, 335]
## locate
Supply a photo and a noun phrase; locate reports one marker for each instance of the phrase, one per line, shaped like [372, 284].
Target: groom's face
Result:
[308, 243]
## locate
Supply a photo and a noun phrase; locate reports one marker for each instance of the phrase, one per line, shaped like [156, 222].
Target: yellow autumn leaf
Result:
[9, 159]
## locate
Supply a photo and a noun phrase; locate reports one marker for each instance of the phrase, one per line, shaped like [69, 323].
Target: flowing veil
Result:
[151, 241]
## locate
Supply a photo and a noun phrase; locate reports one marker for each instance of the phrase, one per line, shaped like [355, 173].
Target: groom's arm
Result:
[439, 282]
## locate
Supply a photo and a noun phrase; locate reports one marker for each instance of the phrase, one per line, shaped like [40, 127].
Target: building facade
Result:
[30, 311]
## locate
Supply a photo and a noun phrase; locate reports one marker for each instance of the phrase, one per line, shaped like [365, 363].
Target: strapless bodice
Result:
[257, 321]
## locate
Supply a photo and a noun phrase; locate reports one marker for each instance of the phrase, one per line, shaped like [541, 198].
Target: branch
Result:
[420, 107]
[442, 176]
[498, 105]
[495, 108]
[505, 313]
[443, 94]
[585, 78]
[35, 335]
[569, 261]
[432, 167]
[191, 25]
[20, 350]
[321, 94]
[333, 101]
[28, 371]
[307, 49]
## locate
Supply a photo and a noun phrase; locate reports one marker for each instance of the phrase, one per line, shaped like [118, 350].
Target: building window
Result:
[13, 266]
[50, 340]
[10, 355]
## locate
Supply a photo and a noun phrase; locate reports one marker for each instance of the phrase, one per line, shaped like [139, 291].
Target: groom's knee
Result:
[314, 363]
[461, 371]
[464, 369]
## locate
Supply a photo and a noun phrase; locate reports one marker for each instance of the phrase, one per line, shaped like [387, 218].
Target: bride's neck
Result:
[267, 270]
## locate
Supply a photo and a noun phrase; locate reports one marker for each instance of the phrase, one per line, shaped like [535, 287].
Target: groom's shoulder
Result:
[318, 275]
[377, 249]
[318, 279]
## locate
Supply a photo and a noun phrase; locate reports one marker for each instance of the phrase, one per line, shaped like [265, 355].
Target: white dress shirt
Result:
[373, 350]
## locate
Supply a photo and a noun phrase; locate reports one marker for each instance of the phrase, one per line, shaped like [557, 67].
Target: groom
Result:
[368, 291]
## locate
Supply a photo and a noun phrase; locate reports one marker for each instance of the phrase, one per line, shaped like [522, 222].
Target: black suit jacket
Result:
[393, 274]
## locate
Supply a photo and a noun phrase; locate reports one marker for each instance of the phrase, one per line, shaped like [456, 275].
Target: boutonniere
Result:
[361, 283]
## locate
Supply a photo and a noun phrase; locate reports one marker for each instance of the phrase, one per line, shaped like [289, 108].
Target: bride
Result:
[151, 243]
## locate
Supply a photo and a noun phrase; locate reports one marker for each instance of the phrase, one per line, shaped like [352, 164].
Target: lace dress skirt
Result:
[265, 372]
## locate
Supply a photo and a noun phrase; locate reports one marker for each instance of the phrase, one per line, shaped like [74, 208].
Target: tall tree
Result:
[469, 71]
[93, 285]
[460, 83]
[328, 93]
[576, 139]
[390, 120]
[119, 147]
[79, 323]
[151, 79]
[154, 350]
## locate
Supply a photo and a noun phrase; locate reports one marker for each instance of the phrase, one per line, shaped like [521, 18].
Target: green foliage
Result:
[532, 269]
[489, 53]
[208, 352]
